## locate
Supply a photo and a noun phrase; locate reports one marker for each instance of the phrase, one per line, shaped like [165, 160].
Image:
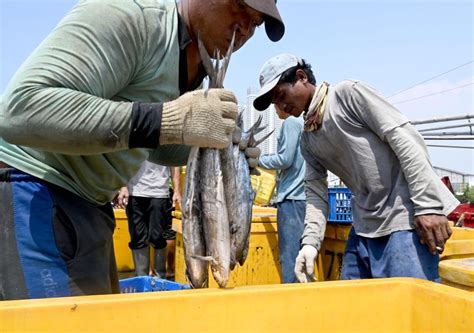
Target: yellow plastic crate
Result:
[123, 254]
[263, 185]
[380, 305]
[458, 273]
[262, 265]
[460, 245]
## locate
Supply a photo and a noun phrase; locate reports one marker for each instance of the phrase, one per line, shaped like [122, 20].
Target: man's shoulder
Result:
[345, 86]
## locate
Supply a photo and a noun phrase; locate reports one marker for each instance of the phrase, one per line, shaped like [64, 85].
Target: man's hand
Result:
[177, 198]
[121, 199]
[252, 154]
[200, 119]
[433, 230]
[304, 266]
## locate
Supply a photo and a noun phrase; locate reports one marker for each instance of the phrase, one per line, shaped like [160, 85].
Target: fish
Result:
[215, 216]
[230, 192]
[197, 271]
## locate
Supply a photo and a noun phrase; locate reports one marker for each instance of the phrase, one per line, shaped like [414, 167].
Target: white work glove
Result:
[197, 119]
[304, 265]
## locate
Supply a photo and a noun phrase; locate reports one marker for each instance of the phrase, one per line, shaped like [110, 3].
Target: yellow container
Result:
[332, 250]
[460, 244]
[261, 266]
[123, 254]
[458, 273]
[380, 305]
[263, 185]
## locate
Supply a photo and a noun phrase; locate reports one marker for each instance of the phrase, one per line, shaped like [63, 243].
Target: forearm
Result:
[175, 176]
[409, 147]
[274, 162]
[61, 98]
[316, 213]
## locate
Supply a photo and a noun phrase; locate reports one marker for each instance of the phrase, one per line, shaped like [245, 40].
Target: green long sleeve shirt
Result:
[66, 115]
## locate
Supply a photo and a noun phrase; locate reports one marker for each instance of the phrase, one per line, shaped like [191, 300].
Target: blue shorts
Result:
[52, 242]
[399, 254]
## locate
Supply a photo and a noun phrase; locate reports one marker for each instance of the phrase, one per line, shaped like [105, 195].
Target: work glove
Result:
[252, 154]
[304, 265]
[200, 119]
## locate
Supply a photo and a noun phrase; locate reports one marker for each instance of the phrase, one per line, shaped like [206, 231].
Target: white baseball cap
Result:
[270, 74]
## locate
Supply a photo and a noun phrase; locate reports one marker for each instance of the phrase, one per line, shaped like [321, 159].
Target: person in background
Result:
[399, 204]
[113, 85]
[148, 205]
[290, 167]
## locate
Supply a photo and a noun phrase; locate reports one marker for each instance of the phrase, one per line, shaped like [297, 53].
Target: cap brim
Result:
[274, 25]
[263, 100]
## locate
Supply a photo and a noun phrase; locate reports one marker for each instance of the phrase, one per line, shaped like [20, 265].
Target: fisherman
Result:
[290, 167]
[105, 91]
[399, 204]
[148, 206]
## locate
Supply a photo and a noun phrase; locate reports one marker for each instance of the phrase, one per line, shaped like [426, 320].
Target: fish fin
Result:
[266, 136]
[204, 258]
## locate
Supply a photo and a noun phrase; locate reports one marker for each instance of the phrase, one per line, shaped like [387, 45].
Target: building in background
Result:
[270, 121]
[460, 181]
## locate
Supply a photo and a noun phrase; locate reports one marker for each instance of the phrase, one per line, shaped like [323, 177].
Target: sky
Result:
[390, 44]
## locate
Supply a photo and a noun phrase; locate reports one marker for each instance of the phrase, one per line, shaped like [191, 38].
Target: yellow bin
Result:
[380, 305]
[262, 265]
[123, 254]
[458, 273]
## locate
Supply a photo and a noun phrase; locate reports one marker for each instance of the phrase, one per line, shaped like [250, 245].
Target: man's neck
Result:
[192, 51]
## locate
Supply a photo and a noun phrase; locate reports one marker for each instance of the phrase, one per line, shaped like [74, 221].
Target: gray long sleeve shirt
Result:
[379, 155]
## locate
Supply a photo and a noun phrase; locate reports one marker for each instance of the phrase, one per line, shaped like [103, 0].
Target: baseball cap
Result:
[273, 23]
[270, 74]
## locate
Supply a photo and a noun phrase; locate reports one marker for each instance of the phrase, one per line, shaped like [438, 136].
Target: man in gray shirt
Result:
[399, 204]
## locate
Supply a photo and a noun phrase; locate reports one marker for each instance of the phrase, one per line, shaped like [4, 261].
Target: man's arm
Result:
[425, 186]
[60, 98]
[426, 190]
[287, 147]
[175, 176]
[315, 218]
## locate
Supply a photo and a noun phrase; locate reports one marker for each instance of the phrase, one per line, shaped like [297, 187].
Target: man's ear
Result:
[301, 75]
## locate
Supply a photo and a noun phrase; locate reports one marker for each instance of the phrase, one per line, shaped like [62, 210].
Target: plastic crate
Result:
[340, 209]
[141, 284]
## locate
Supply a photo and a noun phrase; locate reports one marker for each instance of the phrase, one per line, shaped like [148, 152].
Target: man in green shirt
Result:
[109, 88]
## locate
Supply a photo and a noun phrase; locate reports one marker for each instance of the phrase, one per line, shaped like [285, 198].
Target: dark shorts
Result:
[53, 243]
[149, 222]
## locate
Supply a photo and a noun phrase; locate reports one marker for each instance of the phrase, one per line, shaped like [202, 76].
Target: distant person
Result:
[148, 206]
[290, 167]
[399, 203]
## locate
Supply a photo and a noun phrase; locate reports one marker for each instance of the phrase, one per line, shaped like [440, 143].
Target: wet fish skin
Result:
[215, 216]
[231, 196]
[197, 271]
[245, 196]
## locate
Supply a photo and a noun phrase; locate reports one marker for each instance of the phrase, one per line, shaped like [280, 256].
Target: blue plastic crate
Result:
[340, 209]
[141, 284]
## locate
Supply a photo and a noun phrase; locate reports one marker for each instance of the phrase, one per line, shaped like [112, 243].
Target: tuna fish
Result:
[197, 271]
[218, 198]
[214, 216]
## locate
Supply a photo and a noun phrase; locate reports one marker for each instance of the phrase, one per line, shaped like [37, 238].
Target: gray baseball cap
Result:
[270, 74]
[273, 23]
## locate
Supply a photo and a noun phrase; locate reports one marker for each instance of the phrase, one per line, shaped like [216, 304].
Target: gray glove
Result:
[198, 120]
